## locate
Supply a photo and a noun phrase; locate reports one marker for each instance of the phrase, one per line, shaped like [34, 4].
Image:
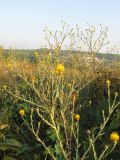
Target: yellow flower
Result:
[5, 87]
[114, 137]
[36, 54]
[59, 68]
[108, 83]
[9, 65]
[34, 79]
[77, 117]
[22, 112]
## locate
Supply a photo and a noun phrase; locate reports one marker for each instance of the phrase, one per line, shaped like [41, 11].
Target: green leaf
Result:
[115, 121]
[50, 148]
[13, 142]
[9, 158]
[28, 148]
[52, 135]
[10, 144]
[57, 149]
[114, 124]
[36, 157]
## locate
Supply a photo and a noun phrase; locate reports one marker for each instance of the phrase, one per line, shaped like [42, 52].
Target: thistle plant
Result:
[53, 94]
[57, 110]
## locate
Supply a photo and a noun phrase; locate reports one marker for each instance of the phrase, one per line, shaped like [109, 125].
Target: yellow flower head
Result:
[21, 112]
[36, 54]
[59, 68]
[5, 87]
[108, 83]
[34, 79]
[77, 117]
[114, 137]
[9, 66]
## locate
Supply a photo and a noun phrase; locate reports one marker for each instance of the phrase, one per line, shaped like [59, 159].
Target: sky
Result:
[22, 21]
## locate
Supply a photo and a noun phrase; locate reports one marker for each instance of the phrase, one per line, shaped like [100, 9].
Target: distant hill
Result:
[28, 53]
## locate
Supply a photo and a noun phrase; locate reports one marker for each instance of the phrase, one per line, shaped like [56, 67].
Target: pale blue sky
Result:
[22, 21]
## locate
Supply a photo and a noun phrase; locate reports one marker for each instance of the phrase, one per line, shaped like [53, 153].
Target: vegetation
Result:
[57, 106]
